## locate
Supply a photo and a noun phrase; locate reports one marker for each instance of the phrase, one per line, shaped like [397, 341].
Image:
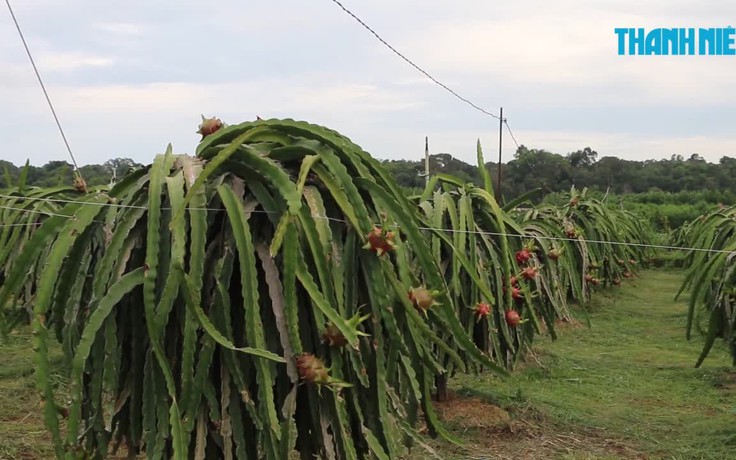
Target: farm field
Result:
[625, 389]
[279, 294]
[253, 284]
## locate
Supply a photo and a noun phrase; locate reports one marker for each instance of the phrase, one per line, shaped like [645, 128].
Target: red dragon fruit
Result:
[380, 241]
[209, 126]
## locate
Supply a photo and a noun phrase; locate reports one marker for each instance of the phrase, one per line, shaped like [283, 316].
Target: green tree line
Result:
[552, 172]
[669, 191]
[58, 173]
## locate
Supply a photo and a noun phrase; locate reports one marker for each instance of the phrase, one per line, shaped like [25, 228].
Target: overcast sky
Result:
[129, 77]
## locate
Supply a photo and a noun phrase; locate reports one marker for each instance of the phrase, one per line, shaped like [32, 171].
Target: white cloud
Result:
[275, 96]
[121, 28]
[162, 112]
[552, 53]
[67, 62]
[548, 64]
[15, 76]
[359, 97]
[155, 97]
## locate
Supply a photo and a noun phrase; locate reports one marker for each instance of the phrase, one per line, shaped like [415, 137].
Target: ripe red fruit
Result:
[482, 310]
[529, 273]
[595, 281]
[516, 293]
[523, 256]
[588, 278]
[512, 318]
[616, 281]
[627, 274]
[514, 281]
[209, 126]
[380, 241]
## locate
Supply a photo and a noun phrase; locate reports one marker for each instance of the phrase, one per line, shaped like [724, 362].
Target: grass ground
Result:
[22, 432]
[627, 388]
[624, 389]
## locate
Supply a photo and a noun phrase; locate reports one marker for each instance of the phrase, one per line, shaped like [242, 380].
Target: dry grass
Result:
[522, 433]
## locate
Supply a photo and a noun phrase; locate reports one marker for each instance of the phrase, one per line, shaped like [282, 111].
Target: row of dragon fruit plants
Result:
[710, 258]
[277, 293]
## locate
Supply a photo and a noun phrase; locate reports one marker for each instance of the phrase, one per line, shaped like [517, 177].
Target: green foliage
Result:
[612, 175]
[474, 263]
[669, 192]
[22, 211]
[597, 389]
[711, 276]
[193, 313]
[668, 211]
[610, 239]
[281, 291]
[481, 248]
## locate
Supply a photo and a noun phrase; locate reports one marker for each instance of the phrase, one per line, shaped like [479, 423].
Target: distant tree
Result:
[9, 174]
[533, 168]
[119, 167]
[672, 181]
[582, 158]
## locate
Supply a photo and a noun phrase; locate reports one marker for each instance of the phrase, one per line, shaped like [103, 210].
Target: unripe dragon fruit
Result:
[313, 370]
[423, 299]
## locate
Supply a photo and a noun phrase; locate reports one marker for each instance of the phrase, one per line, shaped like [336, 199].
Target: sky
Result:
[128, 78]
